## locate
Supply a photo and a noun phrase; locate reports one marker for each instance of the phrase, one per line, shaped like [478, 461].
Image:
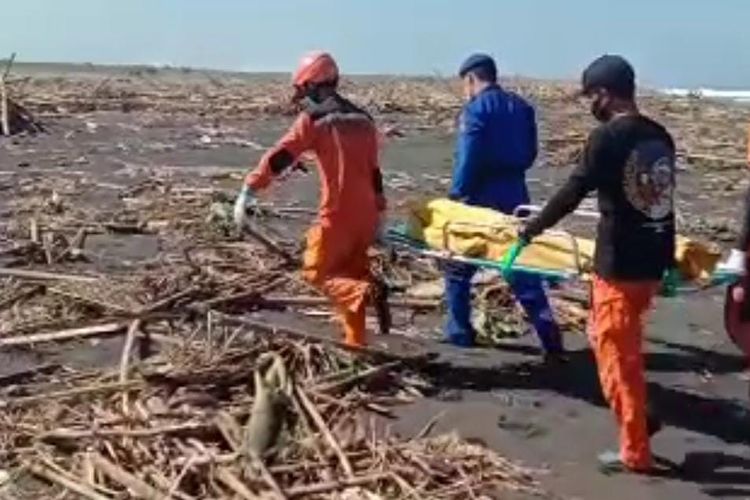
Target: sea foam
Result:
[728, 95]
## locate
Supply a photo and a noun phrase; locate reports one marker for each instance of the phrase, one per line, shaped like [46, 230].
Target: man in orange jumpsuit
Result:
[344, 140]
[630, 161]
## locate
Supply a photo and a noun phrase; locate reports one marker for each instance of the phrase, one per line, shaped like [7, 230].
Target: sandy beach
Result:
[143, 159]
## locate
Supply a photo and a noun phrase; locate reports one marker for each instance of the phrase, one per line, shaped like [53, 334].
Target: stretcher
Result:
[507, 266]
[577, 270]
[557, 256]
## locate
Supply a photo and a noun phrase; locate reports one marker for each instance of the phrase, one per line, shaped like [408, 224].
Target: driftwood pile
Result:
[226, 411]
[206, 402]
[228, 408]
[51, 278]
[709, 134]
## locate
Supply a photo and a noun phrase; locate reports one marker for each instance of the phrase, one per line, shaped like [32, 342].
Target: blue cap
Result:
[476, 61]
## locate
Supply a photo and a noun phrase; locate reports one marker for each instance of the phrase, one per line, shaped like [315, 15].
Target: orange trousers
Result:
[616, 335]
[336, 263]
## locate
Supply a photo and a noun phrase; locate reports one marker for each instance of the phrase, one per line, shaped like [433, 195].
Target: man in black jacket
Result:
[629, 160]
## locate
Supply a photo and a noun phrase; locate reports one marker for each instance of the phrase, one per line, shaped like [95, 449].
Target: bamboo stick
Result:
[8, 66]
[4, 123]
[233, 483]
[317, 489]
[73, 333]
[45, 276]
[69, 484]
[269, 243]
[281, 300]
[135, 485]
[125, 360]
[323, 428]
[191, 428]
[71, 393]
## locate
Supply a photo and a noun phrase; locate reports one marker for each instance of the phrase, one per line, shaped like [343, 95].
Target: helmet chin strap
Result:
[317, 92]
[312, 92]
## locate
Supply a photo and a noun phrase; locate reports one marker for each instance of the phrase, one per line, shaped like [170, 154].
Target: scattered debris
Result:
[311, 430]
[710, 134]
[205, 400]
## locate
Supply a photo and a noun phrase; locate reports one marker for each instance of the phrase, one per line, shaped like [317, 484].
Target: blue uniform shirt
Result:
[497, 143]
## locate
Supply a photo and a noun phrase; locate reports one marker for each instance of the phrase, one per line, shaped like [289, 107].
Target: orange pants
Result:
[336, 263]
[616, 335]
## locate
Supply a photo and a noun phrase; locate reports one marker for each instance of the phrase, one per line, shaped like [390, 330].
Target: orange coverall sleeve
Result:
[298, 139]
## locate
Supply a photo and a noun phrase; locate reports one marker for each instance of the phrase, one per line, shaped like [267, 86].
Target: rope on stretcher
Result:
[507, 266]
[718, 278]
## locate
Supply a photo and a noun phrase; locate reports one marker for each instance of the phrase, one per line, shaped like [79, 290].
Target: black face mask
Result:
[313, 94]
[599, 109]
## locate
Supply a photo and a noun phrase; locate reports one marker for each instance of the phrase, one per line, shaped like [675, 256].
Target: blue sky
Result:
[671, 42]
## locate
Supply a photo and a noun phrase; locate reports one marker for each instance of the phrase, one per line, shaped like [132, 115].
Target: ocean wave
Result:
[729, 95]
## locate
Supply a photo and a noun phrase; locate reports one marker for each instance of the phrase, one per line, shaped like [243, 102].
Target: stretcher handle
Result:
[719, 278]
[564, 234]
[509, 259]
[520, 210]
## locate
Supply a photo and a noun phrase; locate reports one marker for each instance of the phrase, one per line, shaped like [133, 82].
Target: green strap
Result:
[509, 259]
[670, 282]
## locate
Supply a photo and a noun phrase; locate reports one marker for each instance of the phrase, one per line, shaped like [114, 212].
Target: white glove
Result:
[245, 201]
[735, 264]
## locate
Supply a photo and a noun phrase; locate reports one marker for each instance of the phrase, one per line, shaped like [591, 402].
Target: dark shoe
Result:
[611, 463]
[382, 309]
[458, 342]
[653, 424]
[556, 359]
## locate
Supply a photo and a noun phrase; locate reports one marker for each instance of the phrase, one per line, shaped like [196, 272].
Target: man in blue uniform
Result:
[497, 143]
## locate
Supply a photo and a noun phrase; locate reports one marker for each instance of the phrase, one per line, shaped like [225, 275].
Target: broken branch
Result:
[45, 276]
[309, 406]
[67, 483]
[133, 484]
[73, 333]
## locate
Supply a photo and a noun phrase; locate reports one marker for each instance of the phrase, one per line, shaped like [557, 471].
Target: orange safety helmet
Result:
[315, 68]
